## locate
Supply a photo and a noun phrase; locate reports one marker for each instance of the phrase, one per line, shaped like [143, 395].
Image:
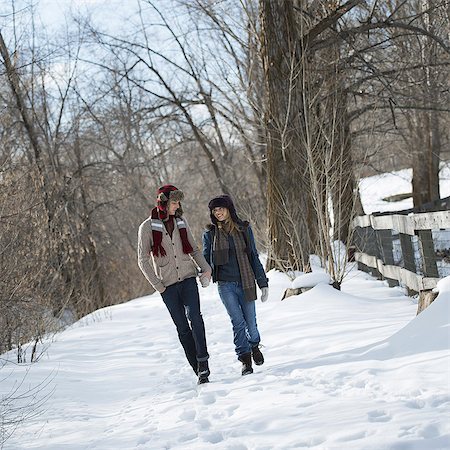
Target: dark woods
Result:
[282, 104]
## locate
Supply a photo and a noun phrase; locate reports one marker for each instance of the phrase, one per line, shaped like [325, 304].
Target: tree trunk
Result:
[288, 201]
[426, 161]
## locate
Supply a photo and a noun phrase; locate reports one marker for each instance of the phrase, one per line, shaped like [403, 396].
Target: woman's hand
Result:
[264, 294]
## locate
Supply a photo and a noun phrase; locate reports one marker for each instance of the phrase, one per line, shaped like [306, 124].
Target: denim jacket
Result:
[258, 270]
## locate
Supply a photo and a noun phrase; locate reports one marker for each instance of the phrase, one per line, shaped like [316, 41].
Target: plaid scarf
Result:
[220, 256]
[157, 234]
[221, 247]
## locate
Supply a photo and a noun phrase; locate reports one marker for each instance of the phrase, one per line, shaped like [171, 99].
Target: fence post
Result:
[409, 262]
[373, 246]
[384, 238]
[428, 253]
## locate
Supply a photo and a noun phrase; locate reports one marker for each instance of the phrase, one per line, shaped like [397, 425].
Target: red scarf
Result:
[157, 234]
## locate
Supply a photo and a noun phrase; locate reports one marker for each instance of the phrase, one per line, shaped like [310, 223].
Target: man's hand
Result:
[207, 274]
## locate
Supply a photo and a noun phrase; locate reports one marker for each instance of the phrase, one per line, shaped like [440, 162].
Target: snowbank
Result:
[309, 280]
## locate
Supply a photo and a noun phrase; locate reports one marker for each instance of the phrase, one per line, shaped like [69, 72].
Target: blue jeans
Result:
[242, 314]
[183, 302]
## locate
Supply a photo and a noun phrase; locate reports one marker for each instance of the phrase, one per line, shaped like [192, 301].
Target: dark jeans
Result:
[183, 302]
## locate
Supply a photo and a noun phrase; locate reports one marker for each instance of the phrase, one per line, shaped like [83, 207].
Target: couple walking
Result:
[166, 256]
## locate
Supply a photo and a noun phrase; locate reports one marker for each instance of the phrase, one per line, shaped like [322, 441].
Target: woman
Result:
[166, 255]
[229, 248]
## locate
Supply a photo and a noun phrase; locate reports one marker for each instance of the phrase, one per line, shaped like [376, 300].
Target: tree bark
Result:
[288, 201]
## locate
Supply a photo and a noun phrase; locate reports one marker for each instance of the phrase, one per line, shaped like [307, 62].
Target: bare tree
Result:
[317, 55]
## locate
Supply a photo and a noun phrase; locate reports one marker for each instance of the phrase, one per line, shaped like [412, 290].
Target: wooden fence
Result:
[401, 249]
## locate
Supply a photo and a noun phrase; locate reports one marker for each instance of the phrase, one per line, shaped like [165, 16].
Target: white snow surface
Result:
[310, 279]
[349, 369]
[374, 189]
[443, 285]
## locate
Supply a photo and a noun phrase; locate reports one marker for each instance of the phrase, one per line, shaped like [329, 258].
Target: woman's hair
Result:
[229, 225]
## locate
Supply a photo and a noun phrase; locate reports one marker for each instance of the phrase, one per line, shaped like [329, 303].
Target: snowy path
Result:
[336, 377]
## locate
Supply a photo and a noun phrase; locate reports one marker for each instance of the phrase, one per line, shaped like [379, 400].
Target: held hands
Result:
[205, 278]
[264, 294]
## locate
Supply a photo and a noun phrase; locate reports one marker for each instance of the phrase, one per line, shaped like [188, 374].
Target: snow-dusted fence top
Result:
[411, 250]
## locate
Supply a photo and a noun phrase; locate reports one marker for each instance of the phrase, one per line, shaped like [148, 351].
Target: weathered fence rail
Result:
[408, 250]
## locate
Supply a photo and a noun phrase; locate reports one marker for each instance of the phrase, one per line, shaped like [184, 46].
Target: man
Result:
[166, 255]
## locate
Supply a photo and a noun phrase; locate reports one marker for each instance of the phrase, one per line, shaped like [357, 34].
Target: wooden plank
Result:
[406, 224]
[429, 283]
[361, 221]
[366, 259]
[410, 279]
[402, 224]
[374, 240]
[439, 220]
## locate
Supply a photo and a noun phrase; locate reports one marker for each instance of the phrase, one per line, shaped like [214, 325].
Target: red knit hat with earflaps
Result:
[160, 214]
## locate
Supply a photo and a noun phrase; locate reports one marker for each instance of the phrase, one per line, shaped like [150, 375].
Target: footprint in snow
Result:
[378, 416]
[203, 424]
[214, 438]
[408, 430]
[187, 415]
[242, 447]
[353, 436]
[311, 443]
[255, 388]
[231, 409]
[438, 400]
[142, 440]
[208, 399]
[188, 437]
[415, 404]
[186, 395]
[429, 431]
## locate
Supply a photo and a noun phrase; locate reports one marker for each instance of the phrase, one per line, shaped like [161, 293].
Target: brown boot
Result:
[246, 360]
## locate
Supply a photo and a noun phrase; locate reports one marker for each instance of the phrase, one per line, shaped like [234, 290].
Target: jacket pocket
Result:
[162, 261]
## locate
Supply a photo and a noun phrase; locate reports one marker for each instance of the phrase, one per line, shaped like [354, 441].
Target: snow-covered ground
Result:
[350, 369]
[374, 189]
[344, 370]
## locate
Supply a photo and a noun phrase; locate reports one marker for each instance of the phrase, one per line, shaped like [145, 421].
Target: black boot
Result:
[257, 355]
[203, 372]
[246, 360]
